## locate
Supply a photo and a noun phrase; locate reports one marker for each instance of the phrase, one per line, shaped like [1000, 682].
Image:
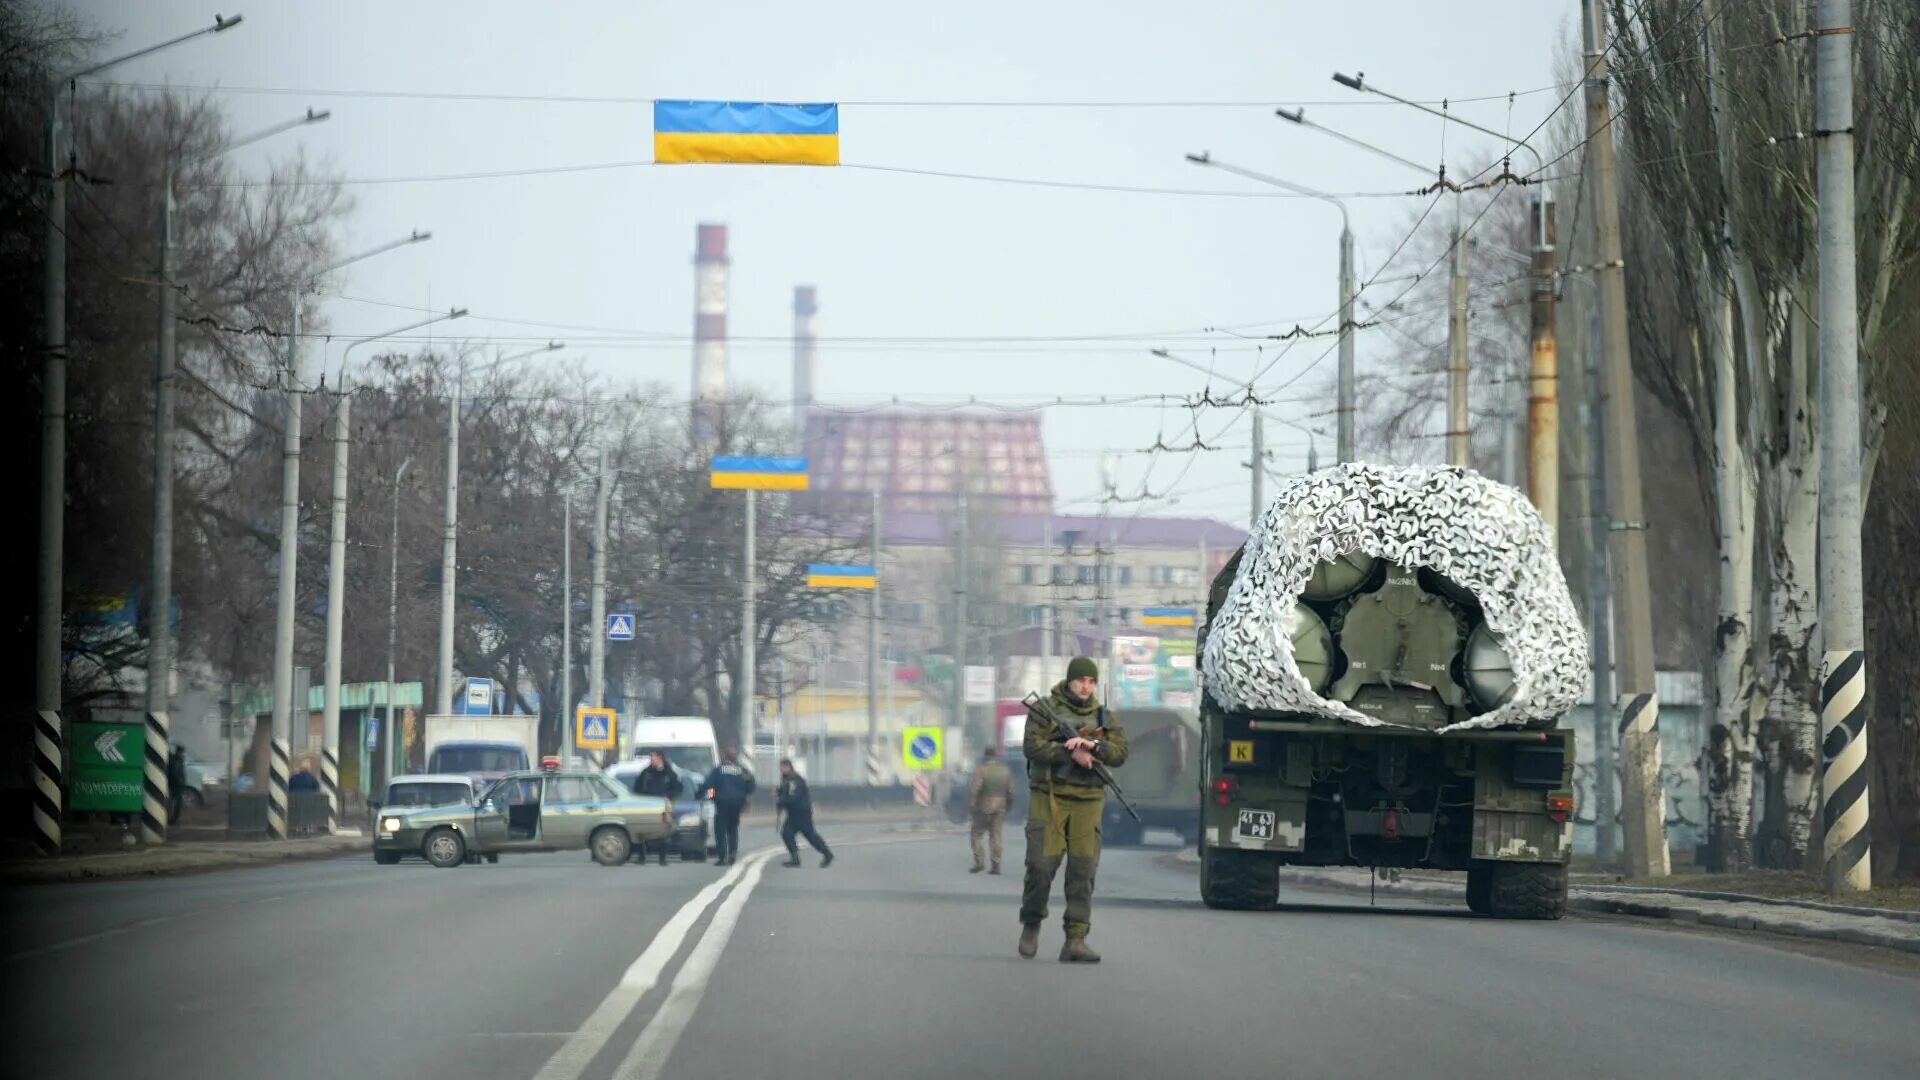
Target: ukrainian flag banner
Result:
[720, 132]
[1166, 616]
[829, 576]
[759, 473]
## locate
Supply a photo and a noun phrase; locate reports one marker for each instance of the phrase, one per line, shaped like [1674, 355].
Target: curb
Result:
[175, 860]
[1643, 903]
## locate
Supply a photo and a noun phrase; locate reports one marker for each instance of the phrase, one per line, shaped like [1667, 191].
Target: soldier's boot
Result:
[975, 868]
[1029, 940]
[826, 860]
[995, 870]
[795, 861]
[1076, 951]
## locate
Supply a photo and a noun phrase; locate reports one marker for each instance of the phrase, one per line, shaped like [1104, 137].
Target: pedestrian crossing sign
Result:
[923, 749]
[593, 728]
[620, 626]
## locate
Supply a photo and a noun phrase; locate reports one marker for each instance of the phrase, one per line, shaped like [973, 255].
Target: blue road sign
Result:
[479, 698]
[594, 730]
[373, 733]
[619, 627]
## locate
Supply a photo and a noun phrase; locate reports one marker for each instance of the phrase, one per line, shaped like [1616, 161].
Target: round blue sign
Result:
[922, 748]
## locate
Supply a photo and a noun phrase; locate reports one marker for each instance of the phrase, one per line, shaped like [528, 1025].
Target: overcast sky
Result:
[892, 254]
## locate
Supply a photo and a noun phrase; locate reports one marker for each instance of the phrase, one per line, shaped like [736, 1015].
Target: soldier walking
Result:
[987, 800]
[796, 802]
[1064, 805]
[728, 786]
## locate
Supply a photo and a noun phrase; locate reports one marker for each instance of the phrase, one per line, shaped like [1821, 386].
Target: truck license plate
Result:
[1255, 824]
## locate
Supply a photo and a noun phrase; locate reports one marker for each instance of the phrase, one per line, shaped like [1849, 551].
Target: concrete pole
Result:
[1259, 466]
[154, 805]
[449, 544]
[49, 731]
[597, 632]
[960, 584]
[391, 741]
[1645, 803]
[1049, 622]
[567, 750]
[278, 763]
[1344, 433]
[1606, 766]
[1543, 398]
[873, 640]
[1459, 425]
[749, 632]
[1847, 850]
[336, 604]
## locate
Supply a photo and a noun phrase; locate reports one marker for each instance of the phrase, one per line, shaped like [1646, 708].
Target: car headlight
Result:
[689, 820]
[390, 825]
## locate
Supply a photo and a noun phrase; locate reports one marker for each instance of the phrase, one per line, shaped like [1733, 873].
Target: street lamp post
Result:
[1345, 392]
[337, 569]
[271, 773]
[155, 800]
[49, 730]
[391, 744]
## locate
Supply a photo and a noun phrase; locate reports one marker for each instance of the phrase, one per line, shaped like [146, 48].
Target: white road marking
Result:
[573, 1057]
[647, 1060]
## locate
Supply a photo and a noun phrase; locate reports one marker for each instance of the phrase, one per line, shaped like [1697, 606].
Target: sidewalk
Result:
[189, 857]
[1890, 929]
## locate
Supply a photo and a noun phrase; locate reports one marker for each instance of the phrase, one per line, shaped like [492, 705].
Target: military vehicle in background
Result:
[1159, 778]
[1405, 736]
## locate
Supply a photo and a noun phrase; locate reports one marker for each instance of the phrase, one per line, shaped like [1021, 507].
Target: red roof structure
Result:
[918, 459]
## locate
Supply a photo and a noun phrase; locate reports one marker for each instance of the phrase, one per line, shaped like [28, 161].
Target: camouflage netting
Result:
[1482, 535]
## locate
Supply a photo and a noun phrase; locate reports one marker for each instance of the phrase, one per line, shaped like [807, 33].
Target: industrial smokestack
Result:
[804, 308]
[709, 330]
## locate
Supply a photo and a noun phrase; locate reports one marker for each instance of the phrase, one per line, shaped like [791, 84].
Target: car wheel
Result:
[610, 845]
[444, 848]
[386, 858]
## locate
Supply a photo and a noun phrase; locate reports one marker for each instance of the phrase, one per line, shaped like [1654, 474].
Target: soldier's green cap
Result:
[1081, 667]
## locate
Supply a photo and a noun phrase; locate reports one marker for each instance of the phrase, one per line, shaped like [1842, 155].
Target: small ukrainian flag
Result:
[829, 576]
[759, 473]
[720, 132]
[1166, 616]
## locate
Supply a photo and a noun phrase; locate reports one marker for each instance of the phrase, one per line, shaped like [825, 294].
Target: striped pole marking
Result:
[153, 791]
[1843, 779]
[1641, 716]
[48, 781]
[277, 769]
[873, 768]
[330, 783]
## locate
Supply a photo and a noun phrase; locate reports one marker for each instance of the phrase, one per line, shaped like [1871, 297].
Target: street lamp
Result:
[1259, 432]
[337, 570]
[390, 742]
[153, 820]
[270, 782]
[1345, 392]
[48, 730]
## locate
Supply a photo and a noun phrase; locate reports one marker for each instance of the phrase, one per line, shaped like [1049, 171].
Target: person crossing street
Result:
[658, 779]
[987, 799]
[796, 802]
[1064, 806]
[728, 786]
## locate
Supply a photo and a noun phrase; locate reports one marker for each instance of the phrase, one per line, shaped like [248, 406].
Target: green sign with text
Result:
[108, 767]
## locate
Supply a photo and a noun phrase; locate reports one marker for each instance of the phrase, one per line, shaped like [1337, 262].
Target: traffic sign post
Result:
[593, 728]
[923, 749]
[479, 698]
[620, 626]
[108, 767]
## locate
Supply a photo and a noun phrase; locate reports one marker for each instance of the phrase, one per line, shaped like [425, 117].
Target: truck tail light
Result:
[1223, 790]
[1558, 807]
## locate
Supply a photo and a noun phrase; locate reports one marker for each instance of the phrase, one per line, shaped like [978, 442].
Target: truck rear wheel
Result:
[1525, 890]
[1239, 880]
[1480, 889]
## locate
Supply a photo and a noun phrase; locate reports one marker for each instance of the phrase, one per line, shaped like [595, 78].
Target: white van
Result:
[688, 741]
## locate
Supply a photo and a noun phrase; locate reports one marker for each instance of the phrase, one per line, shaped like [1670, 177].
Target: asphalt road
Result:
[894, 962]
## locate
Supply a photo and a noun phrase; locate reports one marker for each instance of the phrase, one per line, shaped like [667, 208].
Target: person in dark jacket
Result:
[797, 803]
[659, 779]
[728, 786]
[176, 783]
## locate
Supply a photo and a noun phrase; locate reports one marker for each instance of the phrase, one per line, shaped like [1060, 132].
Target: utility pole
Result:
[336, 605]
[1847, 848]
[1605, 761]
[49, 743]
[749, 631]
[278, 763]
[873, 640]
[960, 584]
[1646, 834]
[450, 541]
[1543, 382]
[1049, 622]
[391, 741]
[566, 628]
[154, 805]
[597, 649]
[1259, 467]
[1346, 403]
[1459, 426]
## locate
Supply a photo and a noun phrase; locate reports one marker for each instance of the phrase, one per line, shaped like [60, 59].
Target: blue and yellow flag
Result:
[759, 473]
[1166, 616]
[832, 576]
[744, 132]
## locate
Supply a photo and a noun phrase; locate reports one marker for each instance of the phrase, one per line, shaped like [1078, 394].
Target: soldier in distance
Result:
[796, 802]
[1064, 805]
[987, 799]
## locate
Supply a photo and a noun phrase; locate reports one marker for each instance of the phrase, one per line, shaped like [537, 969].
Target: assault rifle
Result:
[1062, 731]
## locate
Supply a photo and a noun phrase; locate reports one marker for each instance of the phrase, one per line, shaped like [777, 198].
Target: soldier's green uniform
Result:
[1064, 806]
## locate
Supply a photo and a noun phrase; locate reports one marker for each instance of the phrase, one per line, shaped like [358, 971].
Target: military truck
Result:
[1159, 776]
[1363, 705]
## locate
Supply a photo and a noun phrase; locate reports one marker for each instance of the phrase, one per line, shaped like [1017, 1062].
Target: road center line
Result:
[573, 1057]
[647, 1060]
